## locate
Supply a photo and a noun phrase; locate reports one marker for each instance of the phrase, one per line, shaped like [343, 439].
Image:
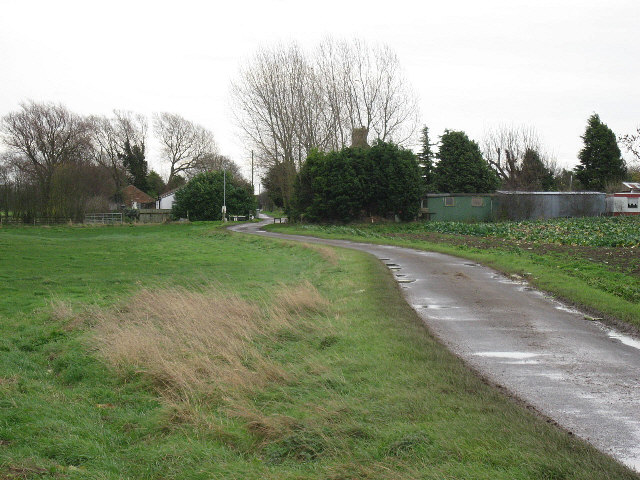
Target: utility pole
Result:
[252, 187]
[224, 194]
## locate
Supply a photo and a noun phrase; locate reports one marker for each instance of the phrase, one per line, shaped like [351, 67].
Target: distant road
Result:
[578, 372]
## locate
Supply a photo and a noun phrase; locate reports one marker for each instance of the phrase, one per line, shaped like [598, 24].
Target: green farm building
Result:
[480, 207]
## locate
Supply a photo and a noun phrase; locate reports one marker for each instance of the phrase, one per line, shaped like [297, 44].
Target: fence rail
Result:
[103, 218]
[35, 221]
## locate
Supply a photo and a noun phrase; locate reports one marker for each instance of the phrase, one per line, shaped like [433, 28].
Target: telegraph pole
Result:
[252, 187]
[224, 194]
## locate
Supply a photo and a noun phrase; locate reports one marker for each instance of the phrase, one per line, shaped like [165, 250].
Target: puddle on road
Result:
[406, 280]
[513, 355]
[631, 458]
[437, 307]
[523, 362]
[508, 281]
[384, 259]
[564, 308]
[627, 340]
[552, 375]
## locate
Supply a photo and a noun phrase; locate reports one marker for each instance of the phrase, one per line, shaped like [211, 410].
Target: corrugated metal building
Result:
[508, 205]
[537, 205]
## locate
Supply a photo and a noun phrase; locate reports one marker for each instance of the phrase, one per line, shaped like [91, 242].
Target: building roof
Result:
[170, 192]
[436, 195]
[132, 194]
[521, 192]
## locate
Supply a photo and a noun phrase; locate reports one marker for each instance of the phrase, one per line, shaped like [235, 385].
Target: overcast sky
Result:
[475, 65]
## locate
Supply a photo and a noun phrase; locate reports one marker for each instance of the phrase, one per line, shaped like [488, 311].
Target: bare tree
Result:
[45, 136]
[184, 144]
[111, 135]
[505, 147]
[211, 162]
[288, 102]
[266, 99]
[365, 88]
[631, 143]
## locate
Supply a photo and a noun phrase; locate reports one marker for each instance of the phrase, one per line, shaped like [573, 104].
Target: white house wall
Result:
[167, 202]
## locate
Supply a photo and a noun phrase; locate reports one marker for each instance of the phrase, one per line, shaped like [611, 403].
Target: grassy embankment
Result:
[187, 352]
[274, 213]
[591, 262]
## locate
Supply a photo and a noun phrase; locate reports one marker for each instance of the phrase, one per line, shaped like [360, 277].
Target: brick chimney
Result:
[359, 137]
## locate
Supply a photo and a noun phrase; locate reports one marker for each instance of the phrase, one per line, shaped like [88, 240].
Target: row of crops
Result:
[593, 231]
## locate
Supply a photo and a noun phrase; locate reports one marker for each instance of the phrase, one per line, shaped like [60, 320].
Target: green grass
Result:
[604, 290]
[274, 213]
[369, 393]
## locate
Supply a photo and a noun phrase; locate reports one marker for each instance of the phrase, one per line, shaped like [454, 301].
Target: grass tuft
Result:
[200, 344]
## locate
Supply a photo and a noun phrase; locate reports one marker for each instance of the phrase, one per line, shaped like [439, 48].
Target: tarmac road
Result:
[575, 371]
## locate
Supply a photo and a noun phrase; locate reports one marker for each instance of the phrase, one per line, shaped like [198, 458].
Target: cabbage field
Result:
[592, 231]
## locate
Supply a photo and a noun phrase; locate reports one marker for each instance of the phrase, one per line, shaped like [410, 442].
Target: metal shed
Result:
[515, 205]
[458, 207]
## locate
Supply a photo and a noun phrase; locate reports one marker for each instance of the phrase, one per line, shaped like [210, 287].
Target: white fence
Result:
[103, 218]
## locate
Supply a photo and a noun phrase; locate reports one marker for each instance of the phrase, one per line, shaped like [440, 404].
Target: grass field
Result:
[591, 262]
[187, 352]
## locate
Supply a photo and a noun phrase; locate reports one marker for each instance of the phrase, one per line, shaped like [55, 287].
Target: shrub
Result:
[202, 197]
[348, 184]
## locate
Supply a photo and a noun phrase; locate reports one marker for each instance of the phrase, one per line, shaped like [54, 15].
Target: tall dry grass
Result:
[201, 343]
[328, 253]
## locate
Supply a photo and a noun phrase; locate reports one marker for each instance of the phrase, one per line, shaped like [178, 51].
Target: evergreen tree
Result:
[461, 168]
[425, 159]
[202, 197]
[155, 184]
[533, 175]
[600, 159]
[351, 183]
[137, 169]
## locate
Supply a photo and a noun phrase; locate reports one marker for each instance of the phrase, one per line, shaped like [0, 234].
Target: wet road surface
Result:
[576, 371]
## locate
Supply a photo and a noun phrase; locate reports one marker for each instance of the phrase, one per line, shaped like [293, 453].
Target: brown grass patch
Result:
[328, 253]
[63, 312]
[21, 471]
[201, 344]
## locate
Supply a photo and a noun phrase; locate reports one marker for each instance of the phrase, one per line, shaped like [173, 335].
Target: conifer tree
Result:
[137, 168]
[461, 168]
[600, 159]
[425, 159]
[533, 174]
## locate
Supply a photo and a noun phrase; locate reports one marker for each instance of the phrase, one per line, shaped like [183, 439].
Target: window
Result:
[632, 202]
[477, 202]
[449, 202]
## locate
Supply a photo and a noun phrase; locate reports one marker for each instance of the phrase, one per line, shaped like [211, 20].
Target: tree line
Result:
[290, 102]
[58, 163]
[388, 181]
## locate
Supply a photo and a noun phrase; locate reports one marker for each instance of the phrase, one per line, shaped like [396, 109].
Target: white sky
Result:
[475, 65]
